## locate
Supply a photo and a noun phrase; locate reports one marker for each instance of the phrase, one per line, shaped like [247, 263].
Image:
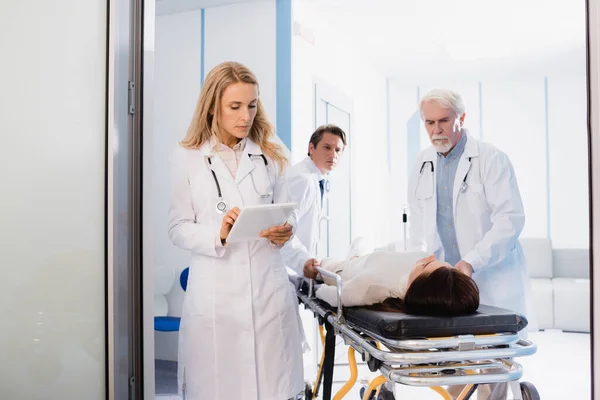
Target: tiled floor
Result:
[560, 370]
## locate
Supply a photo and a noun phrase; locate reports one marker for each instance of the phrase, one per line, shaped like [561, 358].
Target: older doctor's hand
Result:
[278, 234]
[310, 268]
[464, 267]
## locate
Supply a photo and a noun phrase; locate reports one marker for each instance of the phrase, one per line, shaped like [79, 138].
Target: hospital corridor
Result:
[300, 199]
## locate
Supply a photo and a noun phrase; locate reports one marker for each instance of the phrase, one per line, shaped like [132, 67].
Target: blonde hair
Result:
[205, 122]
[444, 98]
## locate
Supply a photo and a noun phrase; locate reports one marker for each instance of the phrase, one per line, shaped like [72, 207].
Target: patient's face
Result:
[426, 266]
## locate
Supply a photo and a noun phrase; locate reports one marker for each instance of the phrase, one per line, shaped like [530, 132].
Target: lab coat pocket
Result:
[199, 294]
[474, 197]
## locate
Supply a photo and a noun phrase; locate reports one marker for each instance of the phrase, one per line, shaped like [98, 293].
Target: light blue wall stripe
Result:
[547, 154]
[202, 21]
[480, 94]
[283, 47]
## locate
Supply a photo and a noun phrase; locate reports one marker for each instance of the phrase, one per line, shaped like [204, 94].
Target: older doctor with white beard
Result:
[466, 209]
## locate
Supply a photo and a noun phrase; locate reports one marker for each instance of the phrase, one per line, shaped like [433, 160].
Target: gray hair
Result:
[444, 98]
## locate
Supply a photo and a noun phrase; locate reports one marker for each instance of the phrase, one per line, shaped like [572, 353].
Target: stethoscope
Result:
[221, 205]
[463, 186]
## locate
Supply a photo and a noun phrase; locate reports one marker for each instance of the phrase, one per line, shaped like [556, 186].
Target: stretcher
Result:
[416, 350]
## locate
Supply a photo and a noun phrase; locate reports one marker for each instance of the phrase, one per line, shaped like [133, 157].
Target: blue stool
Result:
[171, 324]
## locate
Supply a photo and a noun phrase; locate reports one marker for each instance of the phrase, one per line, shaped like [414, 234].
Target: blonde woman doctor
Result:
[239, 337]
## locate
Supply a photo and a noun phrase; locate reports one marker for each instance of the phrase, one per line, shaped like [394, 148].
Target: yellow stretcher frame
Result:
[376, 383]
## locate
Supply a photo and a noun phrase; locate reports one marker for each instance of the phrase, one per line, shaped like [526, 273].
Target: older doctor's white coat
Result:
[488, 219]
[238, 335]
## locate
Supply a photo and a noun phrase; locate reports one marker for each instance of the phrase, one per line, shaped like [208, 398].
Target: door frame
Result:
[323, 90]
[130, 34]
[593, 87]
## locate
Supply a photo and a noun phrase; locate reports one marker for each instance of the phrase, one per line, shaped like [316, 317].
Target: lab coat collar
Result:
[312, 167]
[247, 164]
[252, 148]
[216, 163]
[471, 147]
[208, 148]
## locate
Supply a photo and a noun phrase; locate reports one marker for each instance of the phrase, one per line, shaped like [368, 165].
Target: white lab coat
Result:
[238, 336]
[488, 219]
[303, 182]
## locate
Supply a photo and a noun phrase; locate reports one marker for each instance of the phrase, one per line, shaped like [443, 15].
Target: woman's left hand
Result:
[278, 234]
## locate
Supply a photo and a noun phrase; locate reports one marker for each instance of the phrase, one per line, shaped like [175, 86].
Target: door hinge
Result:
[131, 100]
[132, 388]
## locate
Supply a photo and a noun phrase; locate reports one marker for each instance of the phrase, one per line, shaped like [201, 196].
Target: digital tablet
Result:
[255, 219]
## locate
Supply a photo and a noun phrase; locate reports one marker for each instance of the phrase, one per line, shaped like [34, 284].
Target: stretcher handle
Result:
[338, 284]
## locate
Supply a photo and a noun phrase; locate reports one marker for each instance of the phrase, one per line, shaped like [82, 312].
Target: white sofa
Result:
[560, 285]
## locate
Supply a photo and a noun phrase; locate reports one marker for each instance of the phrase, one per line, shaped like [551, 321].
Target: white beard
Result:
[442, 146]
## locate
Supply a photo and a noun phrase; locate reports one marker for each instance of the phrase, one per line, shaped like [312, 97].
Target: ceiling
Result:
[415, 38]
[408, 38]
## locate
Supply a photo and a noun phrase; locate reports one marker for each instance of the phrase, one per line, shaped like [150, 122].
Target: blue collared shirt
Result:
[445, 174]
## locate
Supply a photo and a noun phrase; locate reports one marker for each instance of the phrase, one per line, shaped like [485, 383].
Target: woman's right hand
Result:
[228, 221]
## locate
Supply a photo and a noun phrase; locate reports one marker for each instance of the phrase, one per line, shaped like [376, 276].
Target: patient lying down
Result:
[423, 286]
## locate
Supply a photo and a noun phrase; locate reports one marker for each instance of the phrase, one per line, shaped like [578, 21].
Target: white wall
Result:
[240, 32]
[245, 33]
[568, 147]
[341, 68]
[516, 116]
[52, 158]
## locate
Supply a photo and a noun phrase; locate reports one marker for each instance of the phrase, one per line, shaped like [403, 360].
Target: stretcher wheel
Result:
[529, 392]
[385, 394]
[308, 394]
[374, 364]
[362, 393]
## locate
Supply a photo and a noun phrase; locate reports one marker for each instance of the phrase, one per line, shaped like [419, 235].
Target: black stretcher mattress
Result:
[401, 326]
[398, 325]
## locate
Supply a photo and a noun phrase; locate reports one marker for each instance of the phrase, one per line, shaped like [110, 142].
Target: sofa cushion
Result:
[543, 304]
[538, 256]
[572, 304]
[571, 263]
